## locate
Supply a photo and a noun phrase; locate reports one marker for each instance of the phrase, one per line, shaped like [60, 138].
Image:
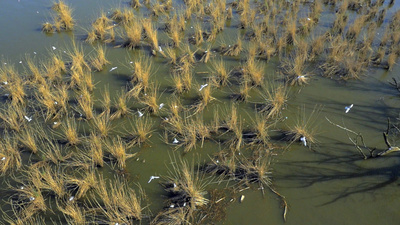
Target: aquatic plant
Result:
[69, 132]
[220, 73]
[99, 61]
[186, 186]
[121, 105]
[117, 150]
[101, 124]
[85, 103]
[73, 213]
[133, 33]
[305, 128]
[140, 79]
[13, 117]
[95, 149]
[275, 100]
[117, 202]
[151, 34]
[47, 27]
[64, 16]
[140, 131]
[10, 157]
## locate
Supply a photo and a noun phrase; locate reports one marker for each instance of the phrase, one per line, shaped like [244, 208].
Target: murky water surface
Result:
[328, 184]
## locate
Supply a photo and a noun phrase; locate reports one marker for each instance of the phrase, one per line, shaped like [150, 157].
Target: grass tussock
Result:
[121, 105]
[140, 131]
[118, 151]
[64, 19]
[117, 203]
[99, 61]
[305, 128]
[276, 98]
[10, 157]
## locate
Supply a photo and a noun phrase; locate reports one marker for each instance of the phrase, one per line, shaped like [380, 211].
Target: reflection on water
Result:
[329, 183]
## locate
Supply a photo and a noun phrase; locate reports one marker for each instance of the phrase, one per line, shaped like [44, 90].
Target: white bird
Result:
[34, 53]
[31, 198]
[160, 49]
[140, 113]
[347, 108]
[54, 48]
[20, 62]
[55, 103]
[71, 198]
[161, 105]
[203, 86]
[304, 140]
[5, 82]
[114, 68]
[152, 178]
[28, 118]
[4, 158]
[175, 141]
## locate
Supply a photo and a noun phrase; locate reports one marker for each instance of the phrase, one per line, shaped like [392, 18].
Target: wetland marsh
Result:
[199, 112]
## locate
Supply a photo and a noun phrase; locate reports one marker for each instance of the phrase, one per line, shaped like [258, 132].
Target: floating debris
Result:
[29, 119]
[347, 108]
[140, 113]
[152, 178]
[241, 199]
[304, 140]
[203, 86]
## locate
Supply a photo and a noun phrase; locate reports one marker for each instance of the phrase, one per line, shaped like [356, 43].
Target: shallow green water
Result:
[330, 184]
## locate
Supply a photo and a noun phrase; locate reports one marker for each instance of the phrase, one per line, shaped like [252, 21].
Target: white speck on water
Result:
[152, 178]
[304, 140]
[203, 86]
[114, 68]
[347, 108]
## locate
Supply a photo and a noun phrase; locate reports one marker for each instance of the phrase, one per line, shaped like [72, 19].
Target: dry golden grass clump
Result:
[73, 213]
[83, 181]
[116, 202]
[140, 80]
[186, 187]
[294, 69]
[305, 128]
[121, 105]
[220, 75]
[133, 33]
[13, 117]
[10, 157]
[254, 70]
[13, 84]
[85, 103]
[95, 149]
[69, 132]
[99, 61]
[101, 124]
[117, 150]
[151, 35]
[28, 200]
[63, 19]
[102, 29]
[139, 131]
[276, 98]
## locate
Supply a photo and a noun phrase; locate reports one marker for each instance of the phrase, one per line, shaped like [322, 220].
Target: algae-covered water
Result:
[327, 183]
